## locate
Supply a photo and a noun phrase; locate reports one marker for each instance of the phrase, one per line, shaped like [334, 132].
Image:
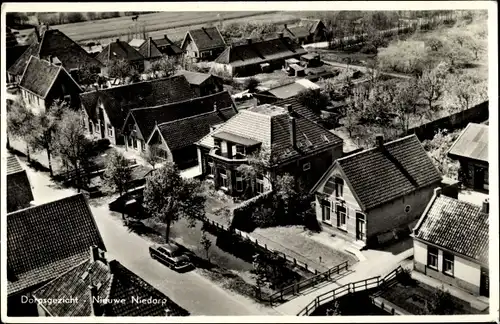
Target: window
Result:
[211, 169]
[134, 141]
[407, 209]
[97, 128]
[339, 187]
[341, 217]
[110, 130]
[224, 180]
[259, 184]
[325, 210]
[448, 261]
[486, 179]
[240, 149]
[306, 166]
[129, 141]
[143, 145]
[239, 182]
[432, 257]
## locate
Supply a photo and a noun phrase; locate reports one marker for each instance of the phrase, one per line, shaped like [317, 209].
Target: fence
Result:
[307, 283]
[352, 287]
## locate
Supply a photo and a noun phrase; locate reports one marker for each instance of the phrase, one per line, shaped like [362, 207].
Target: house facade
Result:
[366, 196]
[203, 44]
[286, 140]
[150, 52]
[451, 243]
[471, 150]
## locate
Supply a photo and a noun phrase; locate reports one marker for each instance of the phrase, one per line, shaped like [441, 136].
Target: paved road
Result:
[365, 69]
[191, 290]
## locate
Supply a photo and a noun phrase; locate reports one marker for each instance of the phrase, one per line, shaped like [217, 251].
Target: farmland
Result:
[174, 24]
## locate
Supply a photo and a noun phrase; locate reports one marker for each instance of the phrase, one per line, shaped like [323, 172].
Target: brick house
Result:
[471, 150]
[451, 243]
[19, 194]
[203, 84]
[365, 196]
[44, 82]
[105, 110]
[295, 144]
[203, 44]
[119, 50]
[43, 242]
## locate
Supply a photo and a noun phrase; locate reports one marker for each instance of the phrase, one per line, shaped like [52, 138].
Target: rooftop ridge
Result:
[375, 147]
[195, 116]
[14, 213]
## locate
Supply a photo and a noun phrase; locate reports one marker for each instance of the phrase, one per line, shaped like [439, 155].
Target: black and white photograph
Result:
[258, 161]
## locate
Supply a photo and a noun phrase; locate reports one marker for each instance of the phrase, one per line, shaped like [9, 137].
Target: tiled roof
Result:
[119, 100]
[39, 76]
[298, 108]
[472, 143]
[45, 241]
[14, 53]
[455, 225]
[114, 281]
[140, 172]
[136, 43]
[260, 51]
[312, 24]
[58, 45]
[195, 78]
[297, 31]
[185, 132]
[146, 118]
[149, 49]
[167, 46]
[207, 38]
[270, 125]
[379, 176]
[291, 89]
[13, 165]
[119, 50]
[19, 194]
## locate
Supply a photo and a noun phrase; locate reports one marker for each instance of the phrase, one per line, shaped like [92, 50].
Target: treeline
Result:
[59, 18]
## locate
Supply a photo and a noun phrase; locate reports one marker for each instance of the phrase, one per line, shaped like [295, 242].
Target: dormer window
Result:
[339, 187]
[240, 149]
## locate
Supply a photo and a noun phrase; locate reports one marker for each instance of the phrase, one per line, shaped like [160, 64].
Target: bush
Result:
[369, 49]
[251, 214]
[102, 144]
[74, 17]
[251, 84]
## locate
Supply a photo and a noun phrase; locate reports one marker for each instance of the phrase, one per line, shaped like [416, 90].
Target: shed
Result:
[296, 70]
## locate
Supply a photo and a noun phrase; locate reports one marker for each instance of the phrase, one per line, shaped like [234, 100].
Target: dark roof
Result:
[260, 51]
[456, 225]
[297, 31]
[298, 108]
[39, 76]
[149, 49]
[312, 24]
[185, 132]
[166, 46]
[13, 165]
[119, 100]
[195, 78]
[146, 118]
[119, 50]
[14, 53]
[140, 172]
[114, 281]
[206, 38]
[10, 39]
[472, 143]
[45, 241]
[20, 64]
[270, 125]
[379, 176]
[19, 194]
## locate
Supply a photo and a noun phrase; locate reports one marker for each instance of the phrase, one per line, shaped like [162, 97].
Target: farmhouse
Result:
[102, 288]
[175, 140]
[44, 242]
[60, 48]
[307, 31]
[367, 195]
[203, 84]
[140, 122]
[203, 44]
[44, 82]
[253, 56]
[450, 243]
[167, 47]
[119, 50]
[105, 110]
[151, 53]
[19, 194]
[471, 150]
[294, 144]
[285, 91]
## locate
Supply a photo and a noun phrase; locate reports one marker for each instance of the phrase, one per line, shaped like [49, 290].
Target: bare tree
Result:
[431, 87]
[20, 123]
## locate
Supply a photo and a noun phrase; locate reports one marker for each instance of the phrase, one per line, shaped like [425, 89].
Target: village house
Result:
[285, 91]
[256, 56]
[203, 84]
[44, 242]
[167, 47]
[43, 83]
[151, 53]
[366, 196]
[140, 122]
[471, 150]
[450, 243]
[203, 44]
[289, 142]
[307, 31]
[19, 194]
[104, 110]
[94, 281]
[119, 50]
[60, 48]
[175, 140]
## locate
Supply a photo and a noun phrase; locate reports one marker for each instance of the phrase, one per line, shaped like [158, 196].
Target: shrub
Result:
[251, 84]
[369, 49]
[102, 144]
[73, 17]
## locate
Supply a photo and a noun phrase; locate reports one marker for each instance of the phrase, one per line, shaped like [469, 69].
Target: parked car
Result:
[171, 255]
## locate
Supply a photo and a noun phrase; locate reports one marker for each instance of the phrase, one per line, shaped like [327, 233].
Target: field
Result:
[174, 24]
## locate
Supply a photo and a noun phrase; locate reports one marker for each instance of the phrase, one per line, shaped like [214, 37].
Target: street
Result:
[190, 290]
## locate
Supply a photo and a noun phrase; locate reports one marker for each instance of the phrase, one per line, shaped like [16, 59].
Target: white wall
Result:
[467, 271]
[419, 252]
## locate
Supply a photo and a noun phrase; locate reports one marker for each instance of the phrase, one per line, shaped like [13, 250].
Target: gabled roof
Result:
[119, 50]
[472, 143]
[297, 31]
[166, 46]
[312, 24]
[39, 76]
[456, 225]
[187, 131]
[377, 176]
[195, 78]
[146, 118]
[270, 125]
[149, 49]
[119, 100]
[291, 89]
[45, 241]
[206, 38]
[298, 108]
[113, 282]
[56, 44]
[136, 43]
[260, 51]
[14, 53]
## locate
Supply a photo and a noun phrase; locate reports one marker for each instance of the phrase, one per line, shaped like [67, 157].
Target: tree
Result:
[19, 123]
[151, 156]
[438, 148]
[251, 84]
[350, 116]
[121, 69]
[463, 89]
[335, 309]
[206, 243]
[440, 303]
[405, 57]
[118, 173]
[313, 99]
[405, 102]
[88, 74]
[431, 87]
[168, 196]
[165, 66]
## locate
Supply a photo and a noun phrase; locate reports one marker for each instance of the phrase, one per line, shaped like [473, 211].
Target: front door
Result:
[484, 284]
[478, 177]
[360, 226]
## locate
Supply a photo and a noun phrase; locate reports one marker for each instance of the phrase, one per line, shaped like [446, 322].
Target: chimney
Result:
[380, 141]
[486, 206]
[249, 40]
[286, 26]
[280, 34]
[150, 38]
[117, 40]
[215, 107]
[113, 266]
[94, 253]
[94, 304]
[437, 192]
[288, 108]
[293, 135]
[49, 58]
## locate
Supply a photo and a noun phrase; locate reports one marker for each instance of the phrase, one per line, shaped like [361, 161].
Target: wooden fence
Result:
[352, 287]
